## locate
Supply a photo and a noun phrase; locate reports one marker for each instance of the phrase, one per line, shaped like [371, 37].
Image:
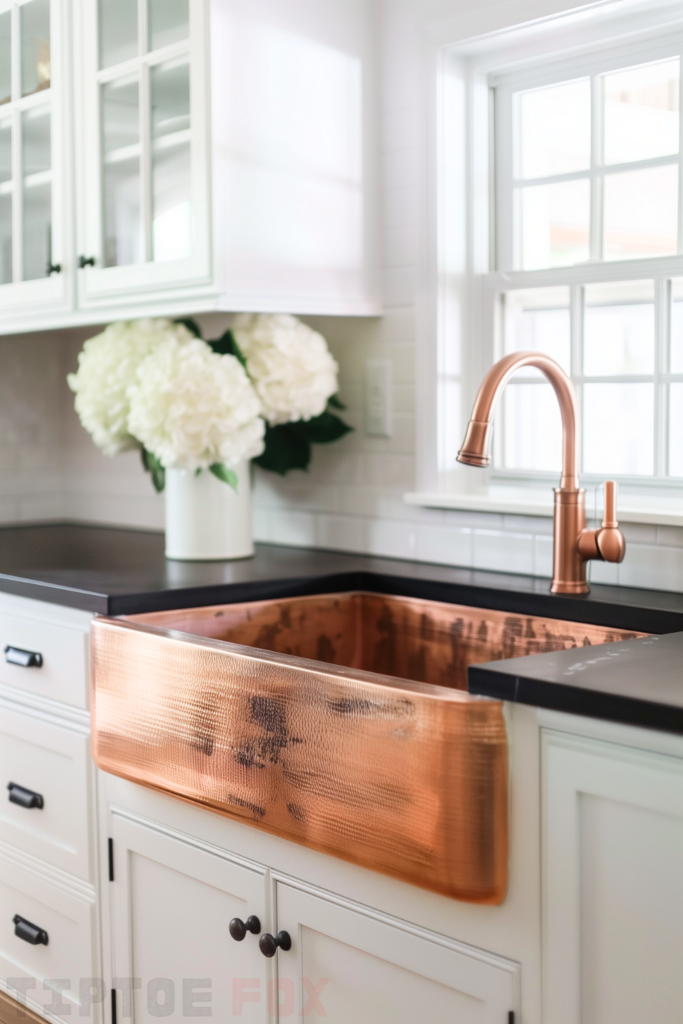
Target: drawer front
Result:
[52, 764]
[66, 963]
[62, 673]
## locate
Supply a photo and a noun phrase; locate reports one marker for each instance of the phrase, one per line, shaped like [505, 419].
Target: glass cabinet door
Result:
[28, 207]
[146, 218]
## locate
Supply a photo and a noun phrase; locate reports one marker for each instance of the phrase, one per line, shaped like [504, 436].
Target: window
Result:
[586, 261]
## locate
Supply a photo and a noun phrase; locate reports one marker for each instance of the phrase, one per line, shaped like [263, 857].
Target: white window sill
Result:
[656, 510]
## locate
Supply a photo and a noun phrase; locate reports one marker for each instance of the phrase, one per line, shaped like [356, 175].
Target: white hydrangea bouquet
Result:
[265, 391]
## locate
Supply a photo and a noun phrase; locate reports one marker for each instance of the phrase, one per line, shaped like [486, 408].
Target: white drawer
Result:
[54, 763]
[63, 650]
[68, 919]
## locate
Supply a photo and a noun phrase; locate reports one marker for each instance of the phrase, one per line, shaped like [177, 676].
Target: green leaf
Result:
[335, 402]
[285, 449]
[227, 346]
[152, 466]
[192, 325]
[228, 476]
[321, 429]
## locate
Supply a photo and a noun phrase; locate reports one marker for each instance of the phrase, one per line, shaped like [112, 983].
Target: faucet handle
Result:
[609, 518]
[609, 538]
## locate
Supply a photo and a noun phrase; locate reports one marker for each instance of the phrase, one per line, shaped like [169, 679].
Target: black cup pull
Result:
[86, 261]
[26, 659]
[238, 928]
[268, 944]
[24, 797]
[30, 933]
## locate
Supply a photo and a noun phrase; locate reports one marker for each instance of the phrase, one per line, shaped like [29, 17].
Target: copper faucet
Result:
[574, 544]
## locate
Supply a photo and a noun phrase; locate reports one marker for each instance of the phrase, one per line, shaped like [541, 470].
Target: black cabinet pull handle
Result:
[238, 929]
[30, 933]
[52, 268]
[268, 944]
[86, 261]
[24, 797]
[25, 659]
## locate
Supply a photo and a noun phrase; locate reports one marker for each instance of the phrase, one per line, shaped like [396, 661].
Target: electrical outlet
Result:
[378, 411]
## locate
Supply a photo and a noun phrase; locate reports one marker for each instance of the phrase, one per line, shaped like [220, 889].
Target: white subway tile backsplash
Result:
[390, 539]
[543, 556]
[342, 533]
[603, 572]
[387, 470]
[658, 568]
[503, 552]
[297, 529]
[444, 545]
[261, 524]
[670, 536]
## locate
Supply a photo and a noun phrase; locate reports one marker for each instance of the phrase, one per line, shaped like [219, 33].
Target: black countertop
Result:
[122, 572]
[639, 682]
[118, 572]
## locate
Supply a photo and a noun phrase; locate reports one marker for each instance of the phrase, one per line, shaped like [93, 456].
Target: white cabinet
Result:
[165, 157]
[49, 909]
[171, 901]
[36, 275]
[613, 882]
[358, 967]
[171, 905]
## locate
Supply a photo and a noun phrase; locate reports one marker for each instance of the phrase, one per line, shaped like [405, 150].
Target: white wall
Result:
[352, 497]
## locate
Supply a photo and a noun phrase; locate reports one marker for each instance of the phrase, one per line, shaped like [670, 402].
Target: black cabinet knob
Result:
[52, 268]
[30, 933]
[238, 929]
[25, 659]
[86, 261]
[268, 944]
[24, 797]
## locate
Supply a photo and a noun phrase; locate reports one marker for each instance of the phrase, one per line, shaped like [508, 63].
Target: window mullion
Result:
[662, 334]
[680, 156]
[145, 132]
[597, 188]
[576, 360]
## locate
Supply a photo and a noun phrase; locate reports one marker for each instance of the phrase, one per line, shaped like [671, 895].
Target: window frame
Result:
[462, 241]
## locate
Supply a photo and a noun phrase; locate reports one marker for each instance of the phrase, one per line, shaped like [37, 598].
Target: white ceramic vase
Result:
[206, 520]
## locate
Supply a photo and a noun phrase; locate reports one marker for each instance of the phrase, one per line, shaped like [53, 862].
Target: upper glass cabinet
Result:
[146, 217]
[27, 168]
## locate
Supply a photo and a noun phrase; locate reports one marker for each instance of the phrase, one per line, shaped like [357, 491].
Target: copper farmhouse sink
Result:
[339, 721]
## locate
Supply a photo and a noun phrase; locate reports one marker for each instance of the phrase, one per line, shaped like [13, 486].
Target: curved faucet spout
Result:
[475, 447]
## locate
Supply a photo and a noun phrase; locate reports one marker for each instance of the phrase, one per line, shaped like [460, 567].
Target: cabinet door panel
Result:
[613, 886]
[356, 969]
[144, 151]
[35, 265]
[172, 905]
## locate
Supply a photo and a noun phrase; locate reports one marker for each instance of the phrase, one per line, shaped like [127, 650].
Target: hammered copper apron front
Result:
[404, 777]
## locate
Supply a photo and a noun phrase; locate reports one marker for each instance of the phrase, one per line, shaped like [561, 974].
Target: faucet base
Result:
[569, 567]
[568, 587]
